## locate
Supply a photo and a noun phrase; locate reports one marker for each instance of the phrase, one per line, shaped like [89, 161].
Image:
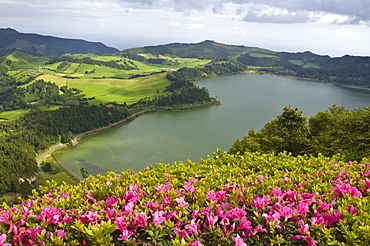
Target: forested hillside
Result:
[21, 140]
[40, 45]
[351, 70]
[334, 131]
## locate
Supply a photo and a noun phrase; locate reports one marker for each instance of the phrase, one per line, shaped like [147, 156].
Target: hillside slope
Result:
[40, 45]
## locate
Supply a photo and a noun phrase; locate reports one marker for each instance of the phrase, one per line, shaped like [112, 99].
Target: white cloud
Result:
[193, 26]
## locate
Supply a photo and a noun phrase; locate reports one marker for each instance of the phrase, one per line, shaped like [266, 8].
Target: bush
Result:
[225, 200]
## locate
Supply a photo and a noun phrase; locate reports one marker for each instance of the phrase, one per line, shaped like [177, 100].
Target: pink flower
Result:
[2, 240]
[181, 202]
[125, 235]
[158, 218]
[239, 241]
[193, 227]
[302, 208]
[50, 214]
[260, 202]
[236, 213]
[182, 233]
[91, 217]
[61, 233]
[211, 220]
[229, 231]
[287, 212]
[111, 201]
[245, 224]
[345, 189]
[303, 229]
[351, 209]
[310, 241]
[258, 229]
[196, 243]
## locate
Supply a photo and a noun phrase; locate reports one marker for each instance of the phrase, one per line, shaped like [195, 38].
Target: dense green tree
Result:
[288, 132]
[335, 130]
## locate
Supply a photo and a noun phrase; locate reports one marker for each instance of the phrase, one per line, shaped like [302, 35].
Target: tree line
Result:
[13, 97]
[113, 64]
[21, 140]
[334, 131]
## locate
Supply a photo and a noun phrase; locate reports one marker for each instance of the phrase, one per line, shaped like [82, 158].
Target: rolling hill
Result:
[352, 70]
[39, 45]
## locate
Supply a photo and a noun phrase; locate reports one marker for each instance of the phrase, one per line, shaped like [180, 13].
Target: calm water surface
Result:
[248, 101]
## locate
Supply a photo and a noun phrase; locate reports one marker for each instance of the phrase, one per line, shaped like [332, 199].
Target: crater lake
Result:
[248, 101]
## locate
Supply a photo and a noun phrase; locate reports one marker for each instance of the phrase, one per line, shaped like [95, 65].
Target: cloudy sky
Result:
[327, 27]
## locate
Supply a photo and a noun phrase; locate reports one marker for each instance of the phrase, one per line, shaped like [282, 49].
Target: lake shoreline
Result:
[78, 138]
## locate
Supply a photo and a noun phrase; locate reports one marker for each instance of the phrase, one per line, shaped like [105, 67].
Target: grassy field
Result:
[105, 84]
[13, 115]
[311, 65]
[260, 55]
[20, 59]
[109, 90]
[297, 62]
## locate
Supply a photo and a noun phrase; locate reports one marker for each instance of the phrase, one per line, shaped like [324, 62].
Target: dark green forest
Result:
[21, 140]
[334, 131]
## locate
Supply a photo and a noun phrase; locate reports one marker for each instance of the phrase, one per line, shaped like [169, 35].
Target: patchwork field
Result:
[114, 90]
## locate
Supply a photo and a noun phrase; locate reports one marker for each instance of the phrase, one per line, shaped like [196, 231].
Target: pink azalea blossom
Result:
[196, 243]
[258, 229]
[211, 220]
[181, 202]
[260, 202]
[303, 228]
[158, 218]
[2, 240]
[193, 227]
[309, 240]
[345, 189]
[182, 233]
[61, 233]
[238, 241]
[125, 235]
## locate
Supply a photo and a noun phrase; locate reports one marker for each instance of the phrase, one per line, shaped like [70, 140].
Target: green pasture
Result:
[145, 67]
[103, 72]
[53, 66]
[82, 69]
[18, 73]
[13, 115]
[311, 65]
[19, 59]
[120, 91]
[260, 55]
[71, 68]
[59, 81]
[296, 62]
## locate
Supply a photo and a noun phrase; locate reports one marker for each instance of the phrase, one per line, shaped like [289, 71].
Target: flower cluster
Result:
[225, 200]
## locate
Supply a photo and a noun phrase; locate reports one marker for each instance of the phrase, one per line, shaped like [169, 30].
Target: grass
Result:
[20, 59]
[260, 55]
[129, 91]
[16, 114]
[71, 68]
[13, 115]
[53, 66]
[311, 65]
[296, 62]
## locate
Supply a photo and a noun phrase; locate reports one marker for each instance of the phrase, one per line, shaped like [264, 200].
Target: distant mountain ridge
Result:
[351, 70]
[39, 45]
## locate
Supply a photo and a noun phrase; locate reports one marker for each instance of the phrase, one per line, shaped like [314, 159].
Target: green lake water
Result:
[248, 101]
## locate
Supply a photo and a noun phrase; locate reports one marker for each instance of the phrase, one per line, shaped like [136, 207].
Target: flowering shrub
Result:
[250, 199]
